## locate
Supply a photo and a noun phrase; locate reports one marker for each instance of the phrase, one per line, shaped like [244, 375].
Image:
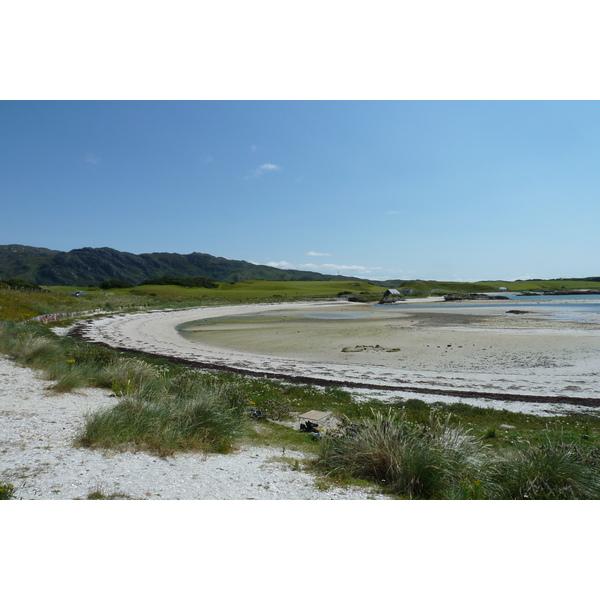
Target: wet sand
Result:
[467, 353]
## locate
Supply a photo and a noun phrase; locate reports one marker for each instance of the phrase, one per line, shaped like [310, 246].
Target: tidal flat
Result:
[470, 352]
[435, 338]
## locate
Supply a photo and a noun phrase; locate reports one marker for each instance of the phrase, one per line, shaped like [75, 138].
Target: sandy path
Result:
[432, 351]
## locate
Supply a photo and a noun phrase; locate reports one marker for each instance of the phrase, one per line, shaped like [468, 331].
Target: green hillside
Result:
[92, 266]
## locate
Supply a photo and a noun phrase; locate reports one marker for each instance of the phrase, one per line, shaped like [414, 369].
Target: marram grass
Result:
[552, 470]
[436, 461]
[409, 459]
[208, 418]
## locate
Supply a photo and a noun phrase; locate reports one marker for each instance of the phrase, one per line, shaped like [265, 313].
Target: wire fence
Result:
[49, 318]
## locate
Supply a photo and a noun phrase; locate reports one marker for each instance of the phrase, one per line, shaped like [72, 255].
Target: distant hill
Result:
[92, 266]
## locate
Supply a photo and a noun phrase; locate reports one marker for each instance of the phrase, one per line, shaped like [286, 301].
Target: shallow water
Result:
[580, 308]
[335, 316]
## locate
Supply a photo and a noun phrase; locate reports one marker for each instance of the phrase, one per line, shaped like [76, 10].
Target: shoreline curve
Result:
[154, 333]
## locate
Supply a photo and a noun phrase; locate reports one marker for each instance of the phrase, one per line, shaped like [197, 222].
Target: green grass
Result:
[554, 469]
[18, 306]
[442, 461]
[260, 289]
[404, 457]
[100, 495]
[424, 288]
[440, 288]
[7, 491]
[204, 421]
[546, 285]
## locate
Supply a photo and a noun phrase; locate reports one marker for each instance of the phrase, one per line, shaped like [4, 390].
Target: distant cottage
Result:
[395, 292]
[390, 296]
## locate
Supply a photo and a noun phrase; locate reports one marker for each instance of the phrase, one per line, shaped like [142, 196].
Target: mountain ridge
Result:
[91, 266]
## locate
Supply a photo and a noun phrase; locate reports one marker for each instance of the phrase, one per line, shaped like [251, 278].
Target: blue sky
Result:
[446, 190]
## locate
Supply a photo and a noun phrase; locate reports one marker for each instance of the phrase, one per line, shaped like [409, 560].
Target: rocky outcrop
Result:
[560, 293]
[455, 297]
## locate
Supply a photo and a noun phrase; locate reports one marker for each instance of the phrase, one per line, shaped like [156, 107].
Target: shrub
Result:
[93, 354]
[204, 282]
[114, 284]
[7, 490]
[21, 283]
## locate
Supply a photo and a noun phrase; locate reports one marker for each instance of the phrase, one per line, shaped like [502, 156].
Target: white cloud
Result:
[311, 253]
[266, 168]
[91, 159]
[282, 264]
[253, 149]
[356, 268]
[325, 268]
[207, 158]
[393, 212]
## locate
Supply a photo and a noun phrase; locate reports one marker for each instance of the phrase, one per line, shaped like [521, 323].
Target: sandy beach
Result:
[480, 355]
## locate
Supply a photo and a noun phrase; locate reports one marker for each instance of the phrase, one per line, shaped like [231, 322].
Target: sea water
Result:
[571, 307]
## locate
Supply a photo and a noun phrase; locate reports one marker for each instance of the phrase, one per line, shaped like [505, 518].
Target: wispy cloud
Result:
[207, 158]
[253, 149]
[356, 268]
[266, 168]
[325, 268]
[393, 212]
[311, 253]
[91, 159]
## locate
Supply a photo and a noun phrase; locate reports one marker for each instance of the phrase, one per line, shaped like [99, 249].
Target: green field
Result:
[19, 305]
[322, 289]
[537, 285]
[265, 289]
[547, 285]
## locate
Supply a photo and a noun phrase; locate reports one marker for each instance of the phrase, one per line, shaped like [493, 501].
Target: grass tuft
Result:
[406, 458]
[553, 470]
[205, 418]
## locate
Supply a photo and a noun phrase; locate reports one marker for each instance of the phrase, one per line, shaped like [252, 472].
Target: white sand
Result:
[496, 354]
